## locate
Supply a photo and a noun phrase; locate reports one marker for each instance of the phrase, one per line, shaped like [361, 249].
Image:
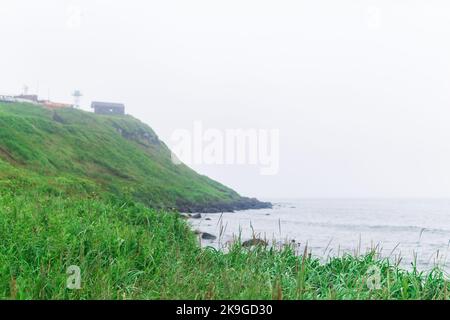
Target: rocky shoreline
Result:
[218, 207]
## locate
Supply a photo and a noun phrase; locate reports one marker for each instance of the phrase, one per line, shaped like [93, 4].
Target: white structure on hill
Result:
[76, 98]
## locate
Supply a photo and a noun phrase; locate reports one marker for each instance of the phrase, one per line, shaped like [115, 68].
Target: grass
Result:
[55, 214]
[131, 159]
[127, 251]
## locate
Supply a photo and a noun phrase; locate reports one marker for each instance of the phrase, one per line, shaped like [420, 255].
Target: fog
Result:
[359, 90]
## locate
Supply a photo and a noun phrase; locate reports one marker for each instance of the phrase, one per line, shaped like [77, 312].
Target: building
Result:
[27, 98]
[77, 98]
[55, 105]
[7, 99]
[34, 99]
[108, 108]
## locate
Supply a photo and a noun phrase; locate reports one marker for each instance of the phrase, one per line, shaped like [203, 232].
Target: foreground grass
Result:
[126, 251]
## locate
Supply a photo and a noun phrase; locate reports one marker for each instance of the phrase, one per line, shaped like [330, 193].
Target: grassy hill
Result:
[115, 154]
[81, 190]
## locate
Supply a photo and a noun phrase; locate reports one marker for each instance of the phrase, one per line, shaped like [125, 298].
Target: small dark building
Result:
[108, 108]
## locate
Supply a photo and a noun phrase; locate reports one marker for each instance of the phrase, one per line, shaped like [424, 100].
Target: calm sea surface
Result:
[330, 227]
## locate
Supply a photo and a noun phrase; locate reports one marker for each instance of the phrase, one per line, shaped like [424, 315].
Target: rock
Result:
[208, 236]
[196, 216]
[197, 232]
[208, 219]
[254, 242]
[57, 118]
[223, 206]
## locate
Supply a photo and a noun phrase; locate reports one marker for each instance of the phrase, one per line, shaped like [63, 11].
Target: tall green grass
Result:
[127, 251]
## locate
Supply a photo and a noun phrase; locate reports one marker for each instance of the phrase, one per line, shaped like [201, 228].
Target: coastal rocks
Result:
[223, 206]
[190, 215]
[254, 242]
[208, 236]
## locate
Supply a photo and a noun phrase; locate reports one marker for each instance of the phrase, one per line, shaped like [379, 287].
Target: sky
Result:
[359, 90]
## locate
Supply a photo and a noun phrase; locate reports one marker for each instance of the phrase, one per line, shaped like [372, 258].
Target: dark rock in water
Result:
[254, 242]
[196, 216]
[208, 236]
[208, 219]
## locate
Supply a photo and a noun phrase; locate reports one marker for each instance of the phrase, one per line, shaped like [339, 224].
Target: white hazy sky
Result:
[360, 90]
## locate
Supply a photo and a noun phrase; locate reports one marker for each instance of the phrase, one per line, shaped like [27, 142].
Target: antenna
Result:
[76, 98]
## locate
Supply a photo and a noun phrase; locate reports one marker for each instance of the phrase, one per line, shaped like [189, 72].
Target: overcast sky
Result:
[360, 90]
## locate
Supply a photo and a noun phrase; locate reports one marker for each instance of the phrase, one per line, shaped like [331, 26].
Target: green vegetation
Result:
[119, 154]
[127, 251]
[54, 214]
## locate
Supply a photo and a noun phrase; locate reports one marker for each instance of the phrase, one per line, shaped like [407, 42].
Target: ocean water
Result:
[415, 230]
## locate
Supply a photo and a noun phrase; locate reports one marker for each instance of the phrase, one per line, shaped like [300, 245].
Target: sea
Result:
[406, 231]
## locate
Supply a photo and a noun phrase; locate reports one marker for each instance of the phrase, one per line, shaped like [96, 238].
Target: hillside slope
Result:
[116, 155]
[65, 183]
